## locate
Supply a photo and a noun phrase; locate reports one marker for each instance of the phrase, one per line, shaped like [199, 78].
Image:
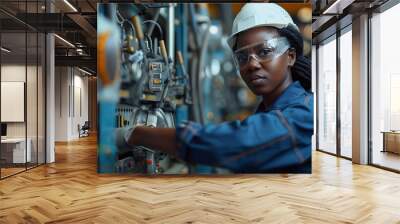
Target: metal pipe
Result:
[171, 31]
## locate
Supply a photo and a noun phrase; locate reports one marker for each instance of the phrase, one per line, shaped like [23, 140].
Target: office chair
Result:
[84, 130]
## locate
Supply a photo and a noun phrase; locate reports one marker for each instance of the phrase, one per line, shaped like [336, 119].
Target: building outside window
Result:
[346, 92]
[385, 89]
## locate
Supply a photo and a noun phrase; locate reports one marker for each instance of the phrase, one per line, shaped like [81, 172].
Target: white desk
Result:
[18, 150]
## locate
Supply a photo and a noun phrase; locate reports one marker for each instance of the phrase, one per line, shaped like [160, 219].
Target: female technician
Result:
[268, 53]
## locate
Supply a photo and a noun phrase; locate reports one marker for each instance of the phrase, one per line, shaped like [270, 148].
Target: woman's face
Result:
[263, 76]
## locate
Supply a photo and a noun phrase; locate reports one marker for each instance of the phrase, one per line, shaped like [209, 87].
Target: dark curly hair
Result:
[301, 70]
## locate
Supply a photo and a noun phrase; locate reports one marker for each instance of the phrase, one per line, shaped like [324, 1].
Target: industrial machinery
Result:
[150, 86]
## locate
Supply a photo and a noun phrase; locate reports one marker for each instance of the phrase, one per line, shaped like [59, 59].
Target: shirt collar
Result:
[293, 90]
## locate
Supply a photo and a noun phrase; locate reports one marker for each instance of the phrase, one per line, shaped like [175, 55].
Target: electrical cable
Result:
[151, 28]
[156, 24]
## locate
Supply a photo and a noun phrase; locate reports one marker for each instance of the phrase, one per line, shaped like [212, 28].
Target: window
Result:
[385, 87]
[327, 95]
[346, 92]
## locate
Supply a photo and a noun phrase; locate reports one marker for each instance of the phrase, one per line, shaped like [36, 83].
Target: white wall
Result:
[80, 115]
[61, 103]
[13, 73]
[71, 93]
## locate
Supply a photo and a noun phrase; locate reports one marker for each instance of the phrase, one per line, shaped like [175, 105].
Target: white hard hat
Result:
[260, 14]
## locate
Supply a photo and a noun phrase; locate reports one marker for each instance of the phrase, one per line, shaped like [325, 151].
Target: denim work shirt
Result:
[273, 140]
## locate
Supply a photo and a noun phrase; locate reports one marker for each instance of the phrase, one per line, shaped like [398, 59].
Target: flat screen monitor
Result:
[3, 129]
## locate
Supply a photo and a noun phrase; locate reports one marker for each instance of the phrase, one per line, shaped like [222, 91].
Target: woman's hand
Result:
[161, 139]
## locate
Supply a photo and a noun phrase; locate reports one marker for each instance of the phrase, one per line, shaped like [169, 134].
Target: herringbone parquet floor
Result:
[70, 191]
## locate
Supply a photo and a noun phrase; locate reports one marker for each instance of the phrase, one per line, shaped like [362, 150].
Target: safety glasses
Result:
[264, 51]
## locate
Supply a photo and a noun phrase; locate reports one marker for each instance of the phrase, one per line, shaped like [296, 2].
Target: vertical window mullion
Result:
[338, 100]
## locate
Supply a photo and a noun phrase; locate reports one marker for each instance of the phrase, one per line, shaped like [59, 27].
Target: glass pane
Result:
[346, 94]
[31, 97]
[22, 67]
[13, 86]
[385, 89]
[327, 96]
